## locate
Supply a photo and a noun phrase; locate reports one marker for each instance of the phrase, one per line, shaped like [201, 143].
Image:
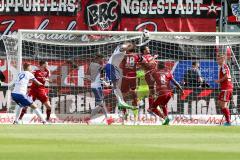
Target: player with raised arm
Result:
[19, 93]
[94, 71]
[149, 65]
[226, 87]
[129, 78]
[40, 92]
[163, 77]
[113, 71]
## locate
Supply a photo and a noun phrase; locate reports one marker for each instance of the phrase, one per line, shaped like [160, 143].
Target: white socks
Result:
[18, 112]
[119, 96]
[98, 109]
[39, 114]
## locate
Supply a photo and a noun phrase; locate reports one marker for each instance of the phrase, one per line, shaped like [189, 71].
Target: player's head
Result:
[130, 47]
[43, 64]
[195, 64]
[27, 67]
[161, 65]
[144, 50]
[98, 58]
[221, 59]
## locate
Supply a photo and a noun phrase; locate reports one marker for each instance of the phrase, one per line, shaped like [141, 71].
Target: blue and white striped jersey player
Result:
[113, 71]
[19, 93]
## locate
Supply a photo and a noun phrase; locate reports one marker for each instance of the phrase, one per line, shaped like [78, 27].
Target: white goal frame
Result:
[131, 33]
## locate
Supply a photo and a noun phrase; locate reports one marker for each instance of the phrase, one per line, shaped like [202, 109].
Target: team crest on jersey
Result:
[102, 15]
[236, 10]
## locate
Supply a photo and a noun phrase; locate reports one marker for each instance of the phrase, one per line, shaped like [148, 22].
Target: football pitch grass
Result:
[79, 142]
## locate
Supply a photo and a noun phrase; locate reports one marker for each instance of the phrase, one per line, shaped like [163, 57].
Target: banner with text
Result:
[145, 119]
[160, 15]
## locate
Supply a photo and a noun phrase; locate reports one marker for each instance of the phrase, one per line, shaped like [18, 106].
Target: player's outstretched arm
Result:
[178, 85]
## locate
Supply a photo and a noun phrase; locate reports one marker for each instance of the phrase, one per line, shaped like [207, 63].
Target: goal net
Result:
[69, 54]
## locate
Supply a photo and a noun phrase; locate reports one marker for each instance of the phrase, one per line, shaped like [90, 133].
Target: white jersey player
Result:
[113, 70]
[94, 71]
[19, 93]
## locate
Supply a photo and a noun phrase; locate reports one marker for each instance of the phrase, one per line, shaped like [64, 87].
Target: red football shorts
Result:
[39, 94]
[162, 100]
[128, 84]
[225, 95]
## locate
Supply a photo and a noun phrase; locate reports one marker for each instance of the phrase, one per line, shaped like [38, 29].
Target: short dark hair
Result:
[98, 55]
[194, 63]
[143, 48]
[25, 66]
[161, 65]
[42, 62]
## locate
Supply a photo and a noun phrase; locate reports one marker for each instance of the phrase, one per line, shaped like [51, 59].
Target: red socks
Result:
[151, 101]
[157, 112]
[24, 110]
[124, 111]
[165, 110]
[48, 112]
[226, 113]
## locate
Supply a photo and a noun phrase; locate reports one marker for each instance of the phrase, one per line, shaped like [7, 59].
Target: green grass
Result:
[68, 142]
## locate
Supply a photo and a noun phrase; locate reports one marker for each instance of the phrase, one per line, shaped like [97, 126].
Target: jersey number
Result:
[21, 76]
[130, 61]
[163, 79]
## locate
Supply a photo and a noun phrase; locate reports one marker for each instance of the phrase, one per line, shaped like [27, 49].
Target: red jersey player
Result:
[226, 87]
[149, 64]
[129, 80]
[129, 67]
[40, 92]
[163, 78]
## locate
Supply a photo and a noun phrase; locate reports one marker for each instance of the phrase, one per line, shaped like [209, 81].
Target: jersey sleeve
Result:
[224, 69]
[48, 73]
[145, 59]
[136, 58]
[31, 76]
[170, 76]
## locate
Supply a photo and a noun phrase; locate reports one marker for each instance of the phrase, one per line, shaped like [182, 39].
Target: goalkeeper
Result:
[113, 71]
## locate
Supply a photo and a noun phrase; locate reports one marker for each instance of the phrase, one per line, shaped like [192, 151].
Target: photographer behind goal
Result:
[193, 77]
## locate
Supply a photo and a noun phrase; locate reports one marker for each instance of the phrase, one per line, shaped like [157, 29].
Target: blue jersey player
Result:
[113, 71]
[97, 83]
[19, 93]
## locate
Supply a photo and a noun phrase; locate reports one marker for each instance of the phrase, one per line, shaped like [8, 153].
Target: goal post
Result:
[69, 54]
